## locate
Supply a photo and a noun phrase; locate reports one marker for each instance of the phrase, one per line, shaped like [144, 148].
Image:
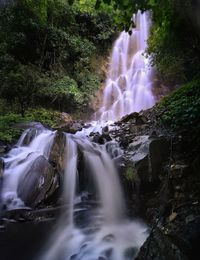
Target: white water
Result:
[19, 161]
[129, 81]
[108, 229]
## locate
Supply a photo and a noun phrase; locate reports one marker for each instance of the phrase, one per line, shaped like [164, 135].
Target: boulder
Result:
[57, 154]
[1, 167]
[39, 183]
[3, 149]
[147, 156]
[65, 117]
[71, 127]
[161, 247]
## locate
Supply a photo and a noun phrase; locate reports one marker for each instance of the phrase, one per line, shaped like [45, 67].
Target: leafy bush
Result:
[10, 132]
[181, 109]
[7, 132]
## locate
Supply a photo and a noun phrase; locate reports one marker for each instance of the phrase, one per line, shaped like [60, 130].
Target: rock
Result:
[108, 252]
[38, 184]
[160, 247]
[109, 238]
[33, 125]
[134, 118]
[75, 127]
[130, 252]
[2, 165]
[66, 118]
[105, 130]
[102, 258]
[172, 216]
[57, 154]
[178, 170]
[2, 149]
[190, 218]
[159, 151]
[97, 138]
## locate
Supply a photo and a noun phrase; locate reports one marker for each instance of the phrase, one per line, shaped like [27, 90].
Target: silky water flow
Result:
[96, 227]
[128, 87]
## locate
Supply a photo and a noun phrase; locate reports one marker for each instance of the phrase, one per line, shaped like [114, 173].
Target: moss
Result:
[9, 133]
[181, 109]
[130, 174]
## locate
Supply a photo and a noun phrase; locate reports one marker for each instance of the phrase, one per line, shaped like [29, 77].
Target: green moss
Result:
[130, 174]
[181, 109]
[9, 133]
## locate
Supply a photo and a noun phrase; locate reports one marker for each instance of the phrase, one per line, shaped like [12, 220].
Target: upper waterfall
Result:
[128, 86]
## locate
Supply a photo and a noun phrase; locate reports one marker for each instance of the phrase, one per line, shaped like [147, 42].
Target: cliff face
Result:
[160, 171]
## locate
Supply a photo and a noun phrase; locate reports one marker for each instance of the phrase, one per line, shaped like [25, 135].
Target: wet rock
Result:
[65, 117]
[109, 238]
[74, 257]
[108, 252]
[33, 125]
[38, 184]
[130, 252]
[2, 149]
[105, 130]
[159, 246]
[70, 127]
[178, 170]
[56, 157]
[106, 137]
[102, 258]
[75, 127]
[30, 134]
[97, 138]
[2, 165]
[159, 151]
[148, 156]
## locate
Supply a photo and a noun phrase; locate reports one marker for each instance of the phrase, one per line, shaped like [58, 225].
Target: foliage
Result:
[130, 174]
[46, 49]
[10, 132]
[181, 108]
[18, 86]
[47, 117]
[174, 43]
[63, 93]
[124, 10]
[7, 132]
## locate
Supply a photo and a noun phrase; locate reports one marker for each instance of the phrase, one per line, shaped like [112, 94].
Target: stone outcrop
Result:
[39, 183]
[56, 157]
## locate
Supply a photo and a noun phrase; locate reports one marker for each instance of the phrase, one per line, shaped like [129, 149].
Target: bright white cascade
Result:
[129, 81]
[19, 161]
[106, 232]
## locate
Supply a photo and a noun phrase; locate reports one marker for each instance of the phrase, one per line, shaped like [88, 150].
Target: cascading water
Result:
[19, 161]
[100, 230]
[129, 81]
[96, 229]
[107, 233]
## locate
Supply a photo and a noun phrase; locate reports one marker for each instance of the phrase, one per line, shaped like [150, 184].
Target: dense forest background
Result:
[52, 52]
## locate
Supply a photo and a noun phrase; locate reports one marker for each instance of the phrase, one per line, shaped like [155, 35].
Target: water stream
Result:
[97, 228]
[128, 86]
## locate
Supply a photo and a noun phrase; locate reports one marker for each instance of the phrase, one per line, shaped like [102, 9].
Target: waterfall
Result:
[96, 228]
[128, 86]
[107, 233]
[19, 160]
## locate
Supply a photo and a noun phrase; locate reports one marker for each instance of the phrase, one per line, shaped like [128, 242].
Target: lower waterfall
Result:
[94, 228]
